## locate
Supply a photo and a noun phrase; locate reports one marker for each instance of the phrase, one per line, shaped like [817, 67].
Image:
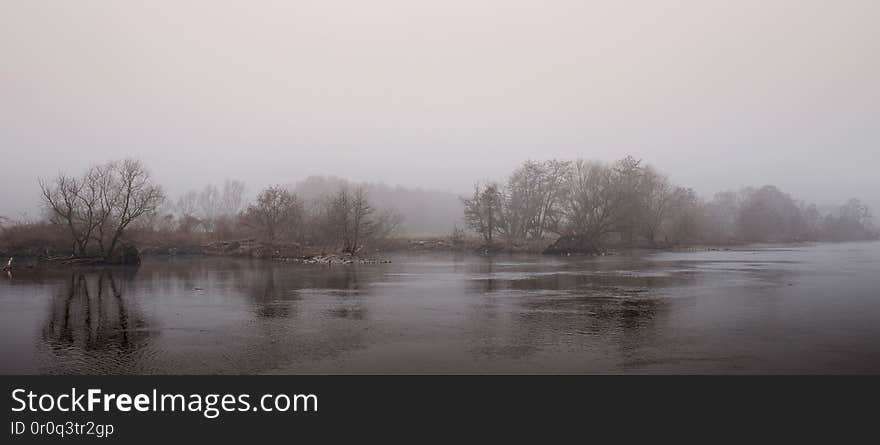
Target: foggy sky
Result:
[440, 93]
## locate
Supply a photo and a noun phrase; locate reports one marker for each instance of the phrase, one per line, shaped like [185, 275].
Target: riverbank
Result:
[243, 248]
[251, 248]
[297, 253]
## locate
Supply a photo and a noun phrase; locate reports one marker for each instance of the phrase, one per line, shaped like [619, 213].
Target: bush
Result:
[34, 239]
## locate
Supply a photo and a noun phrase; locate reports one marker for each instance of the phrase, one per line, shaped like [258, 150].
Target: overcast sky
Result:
[440, 93]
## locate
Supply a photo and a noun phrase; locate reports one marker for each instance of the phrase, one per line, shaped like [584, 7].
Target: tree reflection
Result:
[527, 309]
[277, 291]
[270, 295]
[91, 315]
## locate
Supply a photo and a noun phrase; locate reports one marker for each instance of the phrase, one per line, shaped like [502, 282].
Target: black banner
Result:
[413, 409]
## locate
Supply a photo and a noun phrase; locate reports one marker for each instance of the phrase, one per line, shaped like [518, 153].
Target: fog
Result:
[440, 94]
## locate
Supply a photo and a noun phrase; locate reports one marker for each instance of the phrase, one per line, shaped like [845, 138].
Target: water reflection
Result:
[271, 298]
[529, 308]
[90, 317]
[275, 291]
[680, 312]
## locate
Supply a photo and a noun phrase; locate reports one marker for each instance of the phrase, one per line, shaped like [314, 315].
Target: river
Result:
[770, 309]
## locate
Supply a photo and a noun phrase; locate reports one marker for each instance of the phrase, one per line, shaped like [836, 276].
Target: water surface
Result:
[803, 309]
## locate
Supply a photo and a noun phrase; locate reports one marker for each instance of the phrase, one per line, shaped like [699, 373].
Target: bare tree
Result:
[362, 224]
[61, 199]
[209, 202]
[721, 214]
[687, 219]
[77, 203]
[337, 218]
[849, 222]
[101, 204]
[188, 204]
[553, 177]
[656, 199]
[387, 224]
[594, 201]
[530, 202]
[231, 204]
[351, 221]
[211, 208]
[232, 197]
[769, 215]
[482, 211]
[521, 202]
[127, 194]
[629, 177]
[277, 213]
[813, 219]
[855, 210]
[187, 209]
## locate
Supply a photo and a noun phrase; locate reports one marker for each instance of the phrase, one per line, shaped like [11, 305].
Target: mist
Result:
[438, 95]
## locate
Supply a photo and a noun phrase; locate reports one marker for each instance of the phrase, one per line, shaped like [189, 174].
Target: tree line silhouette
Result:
[555, 206]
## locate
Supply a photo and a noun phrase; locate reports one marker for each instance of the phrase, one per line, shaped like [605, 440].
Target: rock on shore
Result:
[341, 259]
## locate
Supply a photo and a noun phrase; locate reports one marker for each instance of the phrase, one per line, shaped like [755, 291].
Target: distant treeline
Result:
[581, 206]
[117, 204]
[325, 213]
[586, 205]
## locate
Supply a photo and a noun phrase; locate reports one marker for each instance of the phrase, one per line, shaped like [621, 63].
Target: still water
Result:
[803, 309]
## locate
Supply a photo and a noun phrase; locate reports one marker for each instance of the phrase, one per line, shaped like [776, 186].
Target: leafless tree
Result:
[594, 201]
[232, 197]
[362, 224]
[276, 213]
[813, 219]
[849, 222]
[127, 194]
[387, 224]
[187, 209]
[212, 209]
[686, 220]
[656, 198]
[336, 220]
[482, 211]
[209, 202]
[63, 204]
[530, 200]
[855, 210]
[102, 203]
[628, 174]
[769, 215]
[553, 176]
[351, 221]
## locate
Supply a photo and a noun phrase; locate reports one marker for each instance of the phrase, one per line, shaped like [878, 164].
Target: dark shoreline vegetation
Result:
[114, 213]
